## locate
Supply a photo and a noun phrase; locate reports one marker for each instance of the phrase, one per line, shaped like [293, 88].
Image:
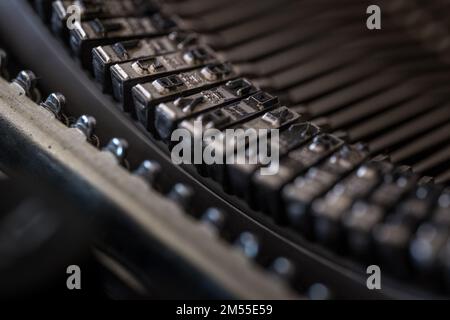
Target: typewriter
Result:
[93, 92]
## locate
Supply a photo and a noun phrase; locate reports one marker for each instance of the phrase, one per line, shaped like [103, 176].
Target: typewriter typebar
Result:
[268, 188]
[295, 135]
[128, 74]
[275, 119]
[148, 95]
[87, 35]
[131, 50]
[170, 114]
[226, 118]
[234, 113]
[316, 181]
[88, 10]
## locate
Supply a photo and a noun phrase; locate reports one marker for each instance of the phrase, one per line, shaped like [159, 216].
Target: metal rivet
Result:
[249, 244]
[55, 103]
[182, 195]
[319, 291]
[283, 267]
[214, 217]
[149, 171]
[86, 124]
[118, 148]
[27, 80]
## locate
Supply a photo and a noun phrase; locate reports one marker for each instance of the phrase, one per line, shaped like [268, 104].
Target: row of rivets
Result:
[249, 245]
